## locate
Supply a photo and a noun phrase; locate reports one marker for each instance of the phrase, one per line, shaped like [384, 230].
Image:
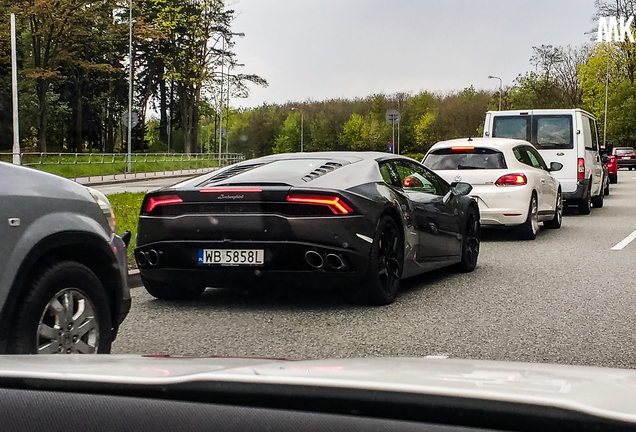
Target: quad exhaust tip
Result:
[334, 261]
[314, 259]
[150, 258]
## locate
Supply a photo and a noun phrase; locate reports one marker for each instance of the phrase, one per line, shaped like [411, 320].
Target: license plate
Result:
[625, 157]
[238, 257]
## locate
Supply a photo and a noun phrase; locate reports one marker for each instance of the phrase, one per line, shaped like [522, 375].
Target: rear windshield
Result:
[476, 158]
[544, 131]
[624, 151]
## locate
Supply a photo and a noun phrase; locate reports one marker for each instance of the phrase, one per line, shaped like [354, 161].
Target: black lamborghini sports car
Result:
[359, 221]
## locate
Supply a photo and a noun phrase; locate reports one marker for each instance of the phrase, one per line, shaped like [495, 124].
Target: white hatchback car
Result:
[511, 181]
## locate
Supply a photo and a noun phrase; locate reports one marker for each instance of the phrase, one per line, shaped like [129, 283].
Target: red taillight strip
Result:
[512, 180]
[162, 200]
[336, 205]
[231, 190]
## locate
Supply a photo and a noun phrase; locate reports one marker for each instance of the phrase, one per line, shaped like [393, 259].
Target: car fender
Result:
[44, 234]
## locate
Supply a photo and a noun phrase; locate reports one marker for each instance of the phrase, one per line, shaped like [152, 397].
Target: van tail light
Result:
[335, 203]
[160, 200]
[580, 169]
[512, 180]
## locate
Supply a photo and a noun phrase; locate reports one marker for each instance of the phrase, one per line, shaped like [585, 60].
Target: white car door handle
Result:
[542, 181]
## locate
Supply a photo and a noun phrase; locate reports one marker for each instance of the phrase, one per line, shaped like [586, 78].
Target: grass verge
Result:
[126, 207]
[97, 165]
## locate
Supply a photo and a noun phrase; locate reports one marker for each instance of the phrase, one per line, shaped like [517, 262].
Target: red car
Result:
[612, 167]
[626, 157]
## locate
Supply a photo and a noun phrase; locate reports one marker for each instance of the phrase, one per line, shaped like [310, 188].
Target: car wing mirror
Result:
[412, 182]
[555, 166]
[461, 188]
[606, 159]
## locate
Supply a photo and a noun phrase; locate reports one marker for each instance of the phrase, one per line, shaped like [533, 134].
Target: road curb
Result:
[140, 179]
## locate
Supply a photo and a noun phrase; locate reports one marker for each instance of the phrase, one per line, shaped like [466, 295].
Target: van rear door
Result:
[553, 135]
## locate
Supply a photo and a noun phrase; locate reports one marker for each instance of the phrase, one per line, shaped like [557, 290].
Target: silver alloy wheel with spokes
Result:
[528, 230]
[68, 325]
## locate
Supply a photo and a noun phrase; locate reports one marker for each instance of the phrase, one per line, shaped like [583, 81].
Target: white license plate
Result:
[626, 157]
[239, 257]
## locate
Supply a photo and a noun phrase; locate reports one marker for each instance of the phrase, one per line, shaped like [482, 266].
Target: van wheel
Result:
[529, 229]
[597, 201]
[585, 205]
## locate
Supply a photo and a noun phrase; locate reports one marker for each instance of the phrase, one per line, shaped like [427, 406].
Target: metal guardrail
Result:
[75, 165]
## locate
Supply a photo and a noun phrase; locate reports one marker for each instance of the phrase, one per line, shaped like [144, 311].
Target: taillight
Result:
[231, 190]
[337, 205]
[157, 201]
[512, 180]
[580, 169]
[462, 148]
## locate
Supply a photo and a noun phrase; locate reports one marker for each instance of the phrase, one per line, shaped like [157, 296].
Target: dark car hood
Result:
[603, 392]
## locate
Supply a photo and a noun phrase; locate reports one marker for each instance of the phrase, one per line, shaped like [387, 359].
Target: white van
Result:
[568, 136]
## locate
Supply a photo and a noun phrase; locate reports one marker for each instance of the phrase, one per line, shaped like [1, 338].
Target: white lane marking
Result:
[627, 240]
[437, 356]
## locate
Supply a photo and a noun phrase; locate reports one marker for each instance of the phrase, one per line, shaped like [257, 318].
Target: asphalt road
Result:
[563, 298]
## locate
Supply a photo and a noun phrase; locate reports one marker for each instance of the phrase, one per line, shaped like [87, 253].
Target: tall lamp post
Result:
[302, 127]
[227, 139]
[130, 86]
[500, 83]
[14, 90]
[221, 98]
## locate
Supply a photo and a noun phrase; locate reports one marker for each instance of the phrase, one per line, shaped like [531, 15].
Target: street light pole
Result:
[606, 88]
[227, 132]
[500, 84]
[130, 87]
[14, 87]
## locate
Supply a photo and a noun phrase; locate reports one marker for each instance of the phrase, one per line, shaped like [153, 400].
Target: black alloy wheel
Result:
[470, 243]
[382, 282]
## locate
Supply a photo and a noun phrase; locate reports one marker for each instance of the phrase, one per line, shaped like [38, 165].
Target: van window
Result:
[543, 131]
[515, 127]
[587, 134]
[552, 132]
[594, 134]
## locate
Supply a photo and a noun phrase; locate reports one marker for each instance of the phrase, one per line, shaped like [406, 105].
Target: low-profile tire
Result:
[471, 240]
[597, 201]
[64, 310]
[613, 178]
[529, 229]
[557, 220]
[585, 205]
[382, 281]
[165, 291]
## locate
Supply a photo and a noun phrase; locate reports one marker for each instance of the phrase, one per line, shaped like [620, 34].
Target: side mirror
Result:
[555, 166]
[460, 188]
[606, 159]
[412, 182]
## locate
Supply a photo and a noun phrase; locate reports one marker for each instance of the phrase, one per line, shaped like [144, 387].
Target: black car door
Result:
[436, 219]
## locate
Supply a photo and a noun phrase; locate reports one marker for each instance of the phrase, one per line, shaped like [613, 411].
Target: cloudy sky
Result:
[321, 49]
